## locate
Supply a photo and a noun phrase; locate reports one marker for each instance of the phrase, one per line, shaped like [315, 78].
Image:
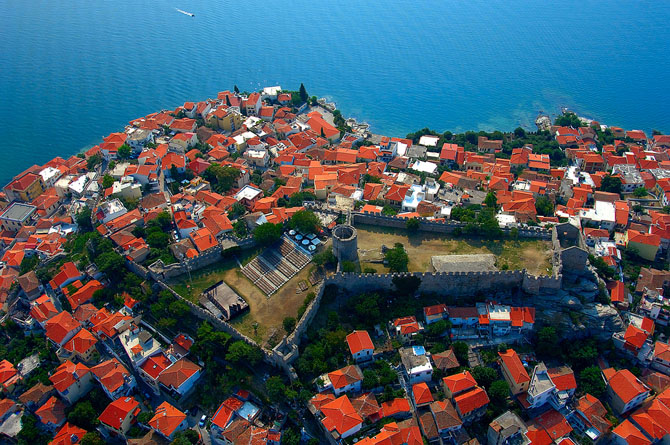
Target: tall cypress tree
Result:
[303, 93]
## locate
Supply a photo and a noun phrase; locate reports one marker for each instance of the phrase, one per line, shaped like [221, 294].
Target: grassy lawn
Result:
[266, 314]
[533, 255]
[199, 280]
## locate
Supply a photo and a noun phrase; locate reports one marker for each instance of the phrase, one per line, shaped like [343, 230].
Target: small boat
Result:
[185, 12]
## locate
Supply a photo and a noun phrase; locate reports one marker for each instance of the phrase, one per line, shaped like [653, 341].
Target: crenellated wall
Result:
[450, 283]
[164, 272]
[438, 226]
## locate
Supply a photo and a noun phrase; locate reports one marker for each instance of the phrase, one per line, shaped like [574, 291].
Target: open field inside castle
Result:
[264, 319]
[533, 255]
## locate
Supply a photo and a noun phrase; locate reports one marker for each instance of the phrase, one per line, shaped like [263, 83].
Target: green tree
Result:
[406, 285]
[389, 211]
[484, 375]
[236, 210]
[519, 132]
[461, 351]
[158, 239]
[611, 184]
[240, 228]
[640, 192]
[111, 264]
[83, 220]
[188, 437]
[547, 340]
[437, 328]
[412, 225]
[348, 266]
[499, 392]
[591, 381]
[291, 436]
[267, 233]
[568, 119]
[84, 416]
[491, 200]
[144, 417]
[93, 161]
[397, 258]
[241, 352]
[107, 181]
[123, 152]
[304, 221]
[544, 206]
[289, 324]
[92, 438]
[325, 257]
[275, 389]
[30, 433]
[603, 269]
[163, 220]
[221, 177]
[303, 93]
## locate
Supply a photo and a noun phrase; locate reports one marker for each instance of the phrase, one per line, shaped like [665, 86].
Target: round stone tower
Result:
[345, 243]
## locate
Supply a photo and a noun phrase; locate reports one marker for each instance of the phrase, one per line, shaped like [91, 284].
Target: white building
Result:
[258, 158]
[416, 364]
[425, 167]
[602, 214]
[49, 176]
[127, 188]
[110, 210]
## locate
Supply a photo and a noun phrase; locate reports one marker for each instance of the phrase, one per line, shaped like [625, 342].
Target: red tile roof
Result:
[118, 410]
[345, 376]
[68, 435]
[340, 415]
[635, 337]
[628, 432]
[167, 419]
[421, 393]
[53, 411]
[459, 382]
[81, 343]
[626, 385]
[59, 326]
[178, 373]
[654, 420]
[554, 424]
[595, 412]
[43, 309]
[395, 406]
[359, 341]
[563, 378]
[111, 374]
[67, 272]
[515, 368]
[156, 364]
[67, 374]
[471, 400]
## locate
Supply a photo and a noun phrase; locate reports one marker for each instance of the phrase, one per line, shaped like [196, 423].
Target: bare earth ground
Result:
[266, 314]
[533, 255]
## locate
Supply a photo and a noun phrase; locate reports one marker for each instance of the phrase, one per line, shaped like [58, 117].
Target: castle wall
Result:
[439, 226]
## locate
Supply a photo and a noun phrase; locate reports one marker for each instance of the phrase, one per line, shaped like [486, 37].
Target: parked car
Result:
[203, 419]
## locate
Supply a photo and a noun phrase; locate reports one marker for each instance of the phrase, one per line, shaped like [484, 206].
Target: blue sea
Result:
[73, 71]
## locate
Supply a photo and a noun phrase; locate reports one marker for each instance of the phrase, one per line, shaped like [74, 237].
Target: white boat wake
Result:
[185, 12]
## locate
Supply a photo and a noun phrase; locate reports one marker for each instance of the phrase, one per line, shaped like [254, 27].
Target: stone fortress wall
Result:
[452, 283]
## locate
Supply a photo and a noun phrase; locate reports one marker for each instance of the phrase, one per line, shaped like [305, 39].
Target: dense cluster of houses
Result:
[130, 362]
[165, 162]
[443, 410]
